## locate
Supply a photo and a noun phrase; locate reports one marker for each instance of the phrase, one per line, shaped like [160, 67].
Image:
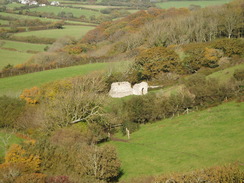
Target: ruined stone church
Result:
[122, 89]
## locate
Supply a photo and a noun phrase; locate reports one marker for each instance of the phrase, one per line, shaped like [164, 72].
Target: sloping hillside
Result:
[199, 139]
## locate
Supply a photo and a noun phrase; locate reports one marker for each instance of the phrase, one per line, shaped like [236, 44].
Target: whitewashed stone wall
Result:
[140, 89]
[122, 89]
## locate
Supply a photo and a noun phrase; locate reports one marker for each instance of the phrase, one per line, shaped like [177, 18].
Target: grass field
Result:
[73, 31]
[4, 22]
[23, 47]
[185, 4]
[95, 7]
[25, 16]
[14, 5]
[13, 57]
[12, 140]
[13, 86]
[42, 19]
[76, 12]
[197, 140]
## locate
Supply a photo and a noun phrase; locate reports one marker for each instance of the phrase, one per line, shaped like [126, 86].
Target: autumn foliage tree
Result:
[20, 166]
[155, 60]
[30, 95]
[10, 110]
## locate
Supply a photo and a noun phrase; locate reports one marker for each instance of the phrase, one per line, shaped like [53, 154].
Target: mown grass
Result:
[23, 47]
[56, 10]
[186, 4]
[197, 140]
[12, 140]
[74, 31]
[13, 86]
[13, 57]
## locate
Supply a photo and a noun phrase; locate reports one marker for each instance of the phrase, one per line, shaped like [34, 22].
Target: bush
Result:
[155, 60]
[230, 47]
[132, 127]
[239, 75]
[228, 174]
[58, 179]
[209, 91]
[10, 109]
[34, 177]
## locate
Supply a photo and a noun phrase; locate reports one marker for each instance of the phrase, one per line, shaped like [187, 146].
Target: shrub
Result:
[239, 75]
[155, 60]
[16, 154]
[58, 179]
[10, 109]
[230, 47]
[228, 174]
[33, 177]
[209, 91]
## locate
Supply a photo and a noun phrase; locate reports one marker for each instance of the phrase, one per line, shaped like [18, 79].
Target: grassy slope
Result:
[226, 74]
[181, 4]
[95, 7]
[23, 47]
[3, 22]
[9, 57]
[26, 17]
[199, 139]
[74, 31]
[33, 17]
[12, 86]
[14, 5]
[13, 140]
[74, 11]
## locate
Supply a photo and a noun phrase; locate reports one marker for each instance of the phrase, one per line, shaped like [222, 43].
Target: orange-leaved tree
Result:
[155, 60]
[31, 95]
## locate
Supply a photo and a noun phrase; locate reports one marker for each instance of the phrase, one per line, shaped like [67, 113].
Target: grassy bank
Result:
[199, 139]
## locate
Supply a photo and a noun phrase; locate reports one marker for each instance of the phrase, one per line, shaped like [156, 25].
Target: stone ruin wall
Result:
[122, 89]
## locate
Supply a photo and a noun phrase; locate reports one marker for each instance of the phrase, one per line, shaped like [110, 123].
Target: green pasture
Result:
[186, 4]
[13, 86]
[12, 140]
[73, 31]
[185, 143]
[56, 10]
[13, 57]
[40, 18]
[95, 7]
[4, 22]
[20, 46]
[14, 5]
[18, 16]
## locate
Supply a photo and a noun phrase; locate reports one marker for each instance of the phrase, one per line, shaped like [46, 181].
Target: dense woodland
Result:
[67, 123]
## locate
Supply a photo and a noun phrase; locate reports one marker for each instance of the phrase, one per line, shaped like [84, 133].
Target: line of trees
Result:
[156, 27]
